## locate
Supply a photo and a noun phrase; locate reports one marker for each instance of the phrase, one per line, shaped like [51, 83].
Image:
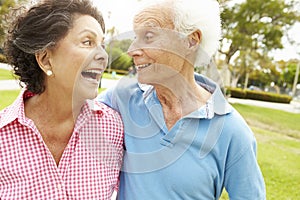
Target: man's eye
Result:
[149, 36]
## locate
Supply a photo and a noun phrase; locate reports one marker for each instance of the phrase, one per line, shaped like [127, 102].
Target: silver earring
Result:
[49, 72]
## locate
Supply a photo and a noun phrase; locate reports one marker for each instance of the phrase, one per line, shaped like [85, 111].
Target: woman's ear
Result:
[42, 59]
[195, 38]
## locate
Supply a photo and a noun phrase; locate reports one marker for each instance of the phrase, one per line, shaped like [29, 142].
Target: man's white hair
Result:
[204, 15]
[192, 15]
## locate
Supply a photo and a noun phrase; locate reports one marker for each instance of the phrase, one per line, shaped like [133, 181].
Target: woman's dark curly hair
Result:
[38, 28]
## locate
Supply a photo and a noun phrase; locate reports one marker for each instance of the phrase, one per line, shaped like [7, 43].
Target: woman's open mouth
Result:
[92, 75]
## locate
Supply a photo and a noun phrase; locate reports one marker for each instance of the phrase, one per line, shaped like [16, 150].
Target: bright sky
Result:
[119, 13]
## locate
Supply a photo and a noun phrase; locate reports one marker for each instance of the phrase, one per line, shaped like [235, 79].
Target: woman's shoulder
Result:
[100, 109]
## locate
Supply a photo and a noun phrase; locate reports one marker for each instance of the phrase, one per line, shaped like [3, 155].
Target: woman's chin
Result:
[91, 95]
[85, 93]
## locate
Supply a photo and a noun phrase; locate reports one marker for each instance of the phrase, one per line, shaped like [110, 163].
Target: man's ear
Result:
[195, 38]
[43, 59]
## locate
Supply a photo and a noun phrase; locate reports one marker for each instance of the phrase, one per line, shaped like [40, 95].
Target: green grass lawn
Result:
[278, 137]
[110, 76]
[273, 120]
[279, 159]
[7, 97]
[6, 74]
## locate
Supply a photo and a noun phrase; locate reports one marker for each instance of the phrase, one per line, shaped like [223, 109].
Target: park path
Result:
[293, 106]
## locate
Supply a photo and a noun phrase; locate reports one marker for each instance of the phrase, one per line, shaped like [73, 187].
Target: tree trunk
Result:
[295, 80]
[225, 73]
[246, 80]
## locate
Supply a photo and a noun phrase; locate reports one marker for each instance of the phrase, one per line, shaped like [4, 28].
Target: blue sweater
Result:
[205, 151]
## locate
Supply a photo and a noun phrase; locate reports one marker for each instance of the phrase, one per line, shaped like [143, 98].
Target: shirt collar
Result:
[96, 107]
[90, 108]
[14, 111]
[216, 104]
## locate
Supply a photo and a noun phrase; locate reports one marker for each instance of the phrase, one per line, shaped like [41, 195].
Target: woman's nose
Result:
[100, 54]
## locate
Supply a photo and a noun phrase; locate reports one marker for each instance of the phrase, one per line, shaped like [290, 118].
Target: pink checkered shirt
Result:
[89, 167]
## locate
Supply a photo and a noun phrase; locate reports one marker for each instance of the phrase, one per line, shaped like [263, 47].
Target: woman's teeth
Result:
[92, 74]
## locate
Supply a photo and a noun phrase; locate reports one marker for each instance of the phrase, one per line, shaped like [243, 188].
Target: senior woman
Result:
[182, 139]
[55, 144]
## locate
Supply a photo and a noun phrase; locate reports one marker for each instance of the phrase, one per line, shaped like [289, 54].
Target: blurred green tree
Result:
[118, 54]
[5, 7]
[254, 27]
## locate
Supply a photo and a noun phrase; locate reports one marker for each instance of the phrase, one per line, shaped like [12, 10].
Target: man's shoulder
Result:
[126, 89]
[101, 109]
[126, 84]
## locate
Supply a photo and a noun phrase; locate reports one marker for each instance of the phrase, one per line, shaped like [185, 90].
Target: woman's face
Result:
[158, 51]
[79, 59]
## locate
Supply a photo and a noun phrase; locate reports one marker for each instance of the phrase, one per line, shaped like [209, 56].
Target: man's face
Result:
[158, 51]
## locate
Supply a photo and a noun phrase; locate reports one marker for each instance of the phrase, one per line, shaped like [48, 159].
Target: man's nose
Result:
[134, 50]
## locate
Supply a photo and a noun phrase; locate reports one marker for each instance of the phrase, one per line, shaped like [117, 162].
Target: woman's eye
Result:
[103, 46]
[87, 42]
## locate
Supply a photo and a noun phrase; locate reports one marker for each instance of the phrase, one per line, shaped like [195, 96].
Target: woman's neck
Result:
[55, 106]
[54, 115]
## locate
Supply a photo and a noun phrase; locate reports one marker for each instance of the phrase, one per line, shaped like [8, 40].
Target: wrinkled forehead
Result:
[159, 16]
